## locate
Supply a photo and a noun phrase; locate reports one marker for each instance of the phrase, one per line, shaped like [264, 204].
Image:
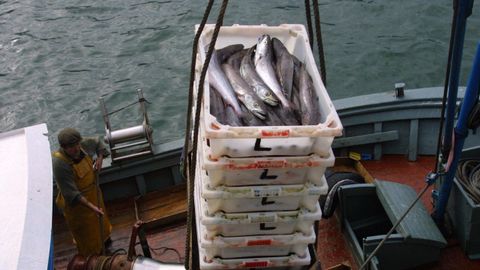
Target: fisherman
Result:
[80, 198]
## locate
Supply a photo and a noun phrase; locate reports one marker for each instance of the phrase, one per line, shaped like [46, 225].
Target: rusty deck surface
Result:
[166, 210]
[167, 238]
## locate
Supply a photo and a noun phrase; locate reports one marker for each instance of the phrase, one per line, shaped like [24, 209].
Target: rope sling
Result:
[189, 159]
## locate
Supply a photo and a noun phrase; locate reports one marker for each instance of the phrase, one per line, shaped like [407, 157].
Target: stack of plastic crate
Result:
[257, 188]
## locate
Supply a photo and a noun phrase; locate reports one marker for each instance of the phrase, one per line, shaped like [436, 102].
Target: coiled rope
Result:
[474, 117]
[190, 154]
[468, 175]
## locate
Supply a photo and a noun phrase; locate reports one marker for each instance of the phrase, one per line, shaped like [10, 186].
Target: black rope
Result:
[445, 90]
[192, 80]
[187, 132]
[308, 16]
[193, 155]
[129, 105]
[318, 33]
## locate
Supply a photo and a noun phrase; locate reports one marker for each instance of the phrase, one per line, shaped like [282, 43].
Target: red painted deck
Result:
[332, 249]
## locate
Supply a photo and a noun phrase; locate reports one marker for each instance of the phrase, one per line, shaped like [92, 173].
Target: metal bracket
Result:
[129, 142]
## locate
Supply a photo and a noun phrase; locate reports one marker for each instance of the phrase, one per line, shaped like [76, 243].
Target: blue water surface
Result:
[58, 57]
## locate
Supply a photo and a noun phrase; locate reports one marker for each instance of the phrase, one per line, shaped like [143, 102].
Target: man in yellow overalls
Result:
[80, 200]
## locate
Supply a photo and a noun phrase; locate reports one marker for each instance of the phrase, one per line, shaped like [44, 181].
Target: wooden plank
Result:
[366, 139]
[157, 208]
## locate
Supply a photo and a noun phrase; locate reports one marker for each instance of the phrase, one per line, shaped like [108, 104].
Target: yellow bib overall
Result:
[81, 220]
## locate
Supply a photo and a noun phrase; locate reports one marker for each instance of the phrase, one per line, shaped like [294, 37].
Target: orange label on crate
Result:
[265, 242]
[255, 264]
[275, 133]
[271, 164]
[249, 166]
[265, 164]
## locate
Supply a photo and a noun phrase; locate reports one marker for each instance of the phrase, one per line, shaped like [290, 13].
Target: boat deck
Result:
[166, 210]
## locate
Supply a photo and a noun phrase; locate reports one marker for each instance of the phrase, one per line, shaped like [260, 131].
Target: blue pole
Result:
[461, 132]
[50, 257]
[464, 10]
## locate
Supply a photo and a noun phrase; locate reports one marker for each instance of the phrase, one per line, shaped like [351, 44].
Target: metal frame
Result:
[129, 142]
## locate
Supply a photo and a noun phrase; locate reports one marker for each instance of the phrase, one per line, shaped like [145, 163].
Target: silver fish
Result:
[224, 53]
[273, 119]
[248, 73]
[288, 117]
[217, 106]
[284, 66]
[264, 67]
[296, 102]
[219, 81]
[308, 99]
[250, 119]
[231, 117]
[296, 70]
[235, 60]
[244, 93]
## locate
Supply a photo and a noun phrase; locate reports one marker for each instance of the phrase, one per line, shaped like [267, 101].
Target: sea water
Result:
[57, 58]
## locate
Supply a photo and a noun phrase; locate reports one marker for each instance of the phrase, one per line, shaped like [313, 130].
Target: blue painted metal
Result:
[463, 10]
[50, 256]
[461, 132]
[361, 114]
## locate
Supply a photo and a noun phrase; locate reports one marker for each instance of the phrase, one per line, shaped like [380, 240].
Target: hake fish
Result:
[217, 106]
[244, 93]
[308, 99]
[248, 73]
[235, 60]
[226, 52]
[219, 81]
[264, 66]
[250, 119]
[284, 66]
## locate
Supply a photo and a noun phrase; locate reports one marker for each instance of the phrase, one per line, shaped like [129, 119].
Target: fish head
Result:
[269, 98]
[263, 47]
[255, 108]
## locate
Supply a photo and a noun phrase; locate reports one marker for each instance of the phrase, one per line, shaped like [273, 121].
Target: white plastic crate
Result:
[254, 246]
[254, 223]
[287, 170]
[260, 198]
[291, 262]
[269, 140]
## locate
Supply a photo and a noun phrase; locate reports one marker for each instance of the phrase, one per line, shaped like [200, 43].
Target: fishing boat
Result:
[390, 139]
